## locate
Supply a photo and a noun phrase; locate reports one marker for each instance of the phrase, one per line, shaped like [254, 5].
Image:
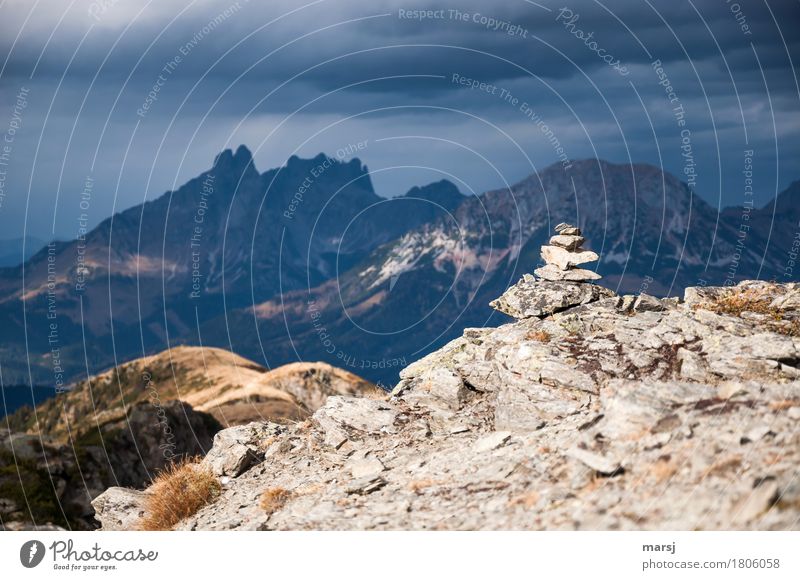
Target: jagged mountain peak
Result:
[227, 159]
[442, 192]
[786, 201]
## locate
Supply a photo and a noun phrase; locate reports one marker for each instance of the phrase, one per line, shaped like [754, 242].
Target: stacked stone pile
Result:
[563, 254]
[560, 284]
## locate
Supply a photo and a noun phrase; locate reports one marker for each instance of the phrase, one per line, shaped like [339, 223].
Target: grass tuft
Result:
[274, 499]
[178, 492]
[539, 335]
[737, 301]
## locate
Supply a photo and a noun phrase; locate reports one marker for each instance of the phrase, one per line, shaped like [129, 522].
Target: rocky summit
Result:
[589, 411]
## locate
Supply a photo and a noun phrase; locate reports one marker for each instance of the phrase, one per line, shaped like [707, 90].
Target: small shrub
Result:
[737, 301]
[274, 499]
[178, 492]
[420, 485]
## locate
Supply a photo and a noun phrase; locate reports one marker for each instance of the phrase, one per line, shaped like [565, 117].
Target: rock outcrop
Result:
[44, 481]
[590, 411]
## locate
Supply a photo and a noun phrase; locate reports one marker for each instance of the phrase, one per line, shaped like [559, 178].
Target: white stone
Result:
[554, 274]
[491, 441]
[564, 259]
[599, 463]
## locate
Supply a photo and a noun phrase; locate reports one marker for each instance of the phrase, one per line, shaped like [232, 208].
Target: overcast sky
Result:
[290, 78]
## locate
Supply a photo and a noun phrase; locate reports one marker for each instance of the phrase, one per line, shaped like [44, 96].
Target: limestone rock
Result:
[565, 259]
[346, 418]
[568, 242]
[567, 230]
[647, 303]
[529, 298]
[237, 449]
[365, 485]
[119, 508]
[761, 498]
[601, 464]
[437, 387]
[364, 464]
[554, 274]
[492, 441]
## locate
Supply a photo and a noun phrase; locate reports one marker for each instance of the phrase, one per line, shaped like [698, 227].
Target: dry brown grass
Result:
[737, 301]
[419, 485]
[178, 492]
[664, 468]
[784, 405]
[526, 500]
[539, 335]
[274, 499]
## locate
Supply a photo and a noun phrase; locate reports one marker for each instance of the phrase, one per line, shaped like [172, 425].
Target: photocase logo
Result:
[31, 553]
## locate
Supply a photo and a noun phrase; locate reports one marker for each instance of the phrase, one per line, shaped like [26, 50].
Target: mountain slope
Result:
[223, 240]
[306, 262]
[232, 389]
[417, 292]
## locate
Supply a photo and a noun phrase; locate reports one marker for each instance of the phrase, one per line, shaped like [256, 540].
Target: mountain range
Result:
[306, 262]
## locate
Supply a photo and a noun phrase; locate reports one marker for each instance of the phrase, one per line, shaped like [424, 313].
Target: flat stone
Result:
[757, 433]
[693, 366]
[438, 388]
[554, 274]
[531, 298]
[565, 259]
[567, 242]
[647, 303]
[730, 389]
[237, 449]
[119, 508]
[567, 230]
[631, 408]
[343, 417]
[361, 466]
[525, 410]
[600, 463]
[365, 485]
[559, 374]
[492, 441]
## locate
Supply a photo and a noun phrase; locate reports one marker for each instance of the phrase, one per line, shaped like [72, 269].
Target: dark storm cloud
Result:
[332, 28]
[99, 86]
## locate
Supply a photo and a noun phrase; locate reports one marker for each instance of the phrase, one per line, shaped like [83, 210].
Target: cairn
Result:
[563, 254]
[560, 284]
